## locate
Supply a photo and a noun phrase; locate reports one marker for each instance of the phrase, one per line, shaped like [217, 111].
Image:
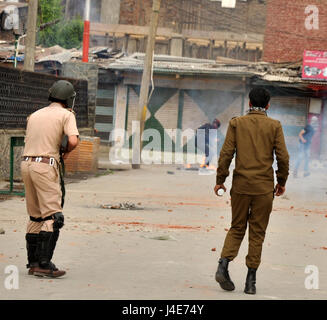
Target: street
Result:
[169, 249]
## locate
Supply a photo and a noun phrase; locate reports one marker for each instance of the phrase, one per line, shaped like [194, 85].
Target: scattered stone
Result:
[2, 231]
[213, 249]
[121, 206]
[162, 238]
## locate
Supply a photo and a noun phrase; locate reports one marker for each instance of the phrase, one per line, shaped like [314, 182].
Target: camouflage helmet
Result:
[63, 90]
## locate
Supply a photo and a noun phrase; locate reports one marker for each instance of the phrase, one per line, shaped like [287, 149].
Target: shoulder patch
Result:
[233, 121]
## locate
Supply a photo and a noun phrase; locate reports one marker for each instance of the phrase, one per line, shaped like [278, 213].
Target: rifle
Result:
[63, 150]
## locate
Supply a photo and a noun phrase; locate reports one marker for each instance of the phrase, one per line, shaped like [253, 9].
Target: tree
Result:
[71, 33]
[48, 11]
[67, 34]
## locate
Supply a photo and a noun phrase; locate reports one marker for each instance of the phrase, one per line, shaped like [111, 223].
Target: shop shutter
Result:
[292, 113]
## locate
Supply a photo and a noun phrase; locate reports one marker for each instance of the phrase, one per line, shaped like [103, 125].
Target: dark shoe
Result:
[250, 281]
[50, 272]
[222, 275]
[46, 246]
[39, 272]
[32, 267]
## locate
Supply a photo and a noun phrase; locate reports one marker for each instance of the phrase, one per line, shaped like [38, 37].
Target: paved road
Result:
[115, 254]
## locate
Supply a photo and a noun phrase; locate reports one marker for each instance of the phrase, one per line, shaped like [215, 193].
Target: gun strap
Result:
[62, 181]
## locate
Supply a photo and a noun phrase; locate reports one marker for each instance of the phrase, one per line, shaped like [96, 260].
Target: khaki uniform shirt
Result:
[45, 130]
[255, 138]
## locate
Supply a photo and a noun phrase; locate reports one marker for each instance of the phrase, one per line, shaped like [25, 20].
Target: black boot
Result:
[52, 244]
[31, 246]
[222, 275]
[46, 245]
[250, 281]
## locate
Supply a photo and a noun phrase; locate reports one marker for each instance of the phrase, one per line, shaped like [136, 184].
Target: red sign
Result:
[314, 65]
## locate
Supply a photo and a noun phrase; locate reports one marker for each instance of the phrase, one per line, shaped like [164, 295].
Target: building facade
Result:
[292, 27]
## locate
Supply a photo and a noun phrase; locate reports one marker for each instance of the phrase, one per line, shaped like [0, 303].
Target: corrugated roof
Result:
[180, 65]
[287, 73]
[3, 5]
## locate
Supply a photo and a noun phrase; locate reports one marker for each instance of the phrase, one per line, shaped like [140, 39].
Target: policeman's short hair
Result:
[259, 97]
[52, 99]
[216, 121]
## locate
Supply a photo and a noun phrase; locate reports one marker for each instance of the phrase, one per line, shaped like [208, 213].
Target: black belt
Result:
[41, 219]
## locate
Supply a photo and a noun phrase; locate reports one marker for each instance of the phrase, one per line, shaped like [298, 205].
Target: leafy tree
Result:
[68, 34]
[71, 33]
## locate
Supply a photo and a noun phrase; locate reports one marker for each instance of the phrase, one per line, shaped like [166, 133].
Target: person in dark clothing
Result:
[210, 139]
[305, 139]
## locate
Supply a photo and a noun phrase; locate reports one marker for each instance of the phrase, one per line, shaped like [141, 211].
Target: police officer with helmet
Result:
[40, 167]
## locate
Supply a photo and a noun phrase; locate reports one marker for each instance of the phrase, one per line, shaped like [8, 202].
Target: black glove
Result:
[58, 220]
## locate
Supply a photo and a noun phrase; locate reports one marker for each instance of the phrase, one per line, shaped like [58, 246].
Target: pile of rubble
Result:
[56, 54]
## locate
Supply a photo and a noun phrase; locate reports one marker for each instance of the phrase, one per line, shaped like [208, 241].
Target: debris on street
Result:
[165, 237]
[121, 206]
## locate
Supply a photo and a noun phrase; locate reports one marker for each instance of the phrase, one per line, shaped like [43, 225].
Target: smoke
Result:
[76, 8]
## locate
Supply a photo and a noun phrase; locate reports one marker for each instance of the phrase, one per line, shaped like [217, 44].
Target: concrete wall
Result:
[89, 72]
[197, 15]
[187, 15]
[121, 101]
[5, 153]
[110, 11]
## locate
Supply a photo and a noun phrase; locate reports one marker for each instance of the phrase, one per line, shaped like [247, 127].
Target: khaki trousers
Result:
[42, 193]
[255, 211]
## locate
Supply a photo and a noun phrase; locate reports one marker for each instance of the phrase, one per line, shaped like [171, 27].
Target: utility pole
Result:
[29, 59]
[146, 77]
[86, 34]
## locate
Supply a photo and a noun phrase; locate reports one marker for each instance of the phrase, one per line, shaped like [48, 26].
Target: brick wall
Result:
[198, 15]
[286, 35]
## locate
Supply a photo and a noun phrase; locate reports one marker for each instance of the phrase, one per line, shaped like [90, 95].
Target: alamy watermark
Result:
[11, 281]
[312, 17]
[312, 280]
[168, 146]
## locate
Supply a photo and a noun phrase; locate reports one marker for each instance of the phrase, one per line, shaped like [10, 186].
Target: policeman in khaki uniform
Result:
[40, 171]
[255, 138]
